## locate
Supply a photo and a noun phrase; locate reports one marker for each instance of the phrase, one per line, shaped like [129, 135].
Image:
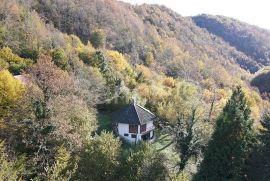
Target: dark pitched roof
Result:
[133, 114]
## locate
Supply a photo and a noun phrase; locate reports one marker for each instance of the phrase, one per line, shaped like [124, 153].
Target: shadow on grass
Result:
[163, 141]
[104, 122]
[166, 146]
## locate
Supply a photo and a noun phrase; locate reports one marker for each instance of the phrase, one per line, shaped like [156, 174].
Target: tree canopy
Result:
[231, 143]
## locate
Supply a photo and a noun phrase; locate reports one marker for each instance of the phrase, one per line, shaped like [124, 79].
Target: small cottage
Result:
[134, 123]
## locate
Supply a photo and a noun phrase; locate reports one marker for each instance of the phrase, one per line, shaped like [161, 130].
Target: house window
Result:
[133, 136]
[143, 128]
[126, 134]
[133, 128]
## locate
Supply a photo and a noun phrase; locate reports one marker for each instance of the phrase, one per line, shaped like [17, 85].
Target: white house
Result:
[134, 123]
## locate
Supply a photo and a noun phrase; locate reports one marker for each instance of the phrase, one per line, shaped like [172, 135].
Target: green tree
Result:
[258, 163]
[60, 59]
[231, 142]
[98, 60]
[30, 53]
[63, 168]
[144, 163]
[100, 159]
[86, 57]
[98, 39]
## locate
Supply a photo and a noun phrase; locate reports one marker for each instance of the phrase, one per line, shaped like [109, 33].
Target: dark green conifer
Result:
[231, 142]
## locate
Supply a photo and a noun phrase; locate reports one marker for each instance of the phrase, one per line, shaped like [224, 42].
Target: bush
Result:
[100, 159]
[29, 53]
[86, 57]
[98, 39]
[144, 163]
[15, 63]
[60, 59]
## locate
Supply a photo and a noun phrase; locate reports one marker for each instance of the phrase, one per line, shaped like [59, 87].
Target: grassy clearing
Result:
[164, 144]
[104, 122]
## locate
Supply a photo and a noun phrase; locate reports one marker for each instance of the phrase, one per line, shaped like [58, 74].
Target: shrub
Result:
[98, 39]
[100, 159]
[15, 63]
[60, 59]
[29, 53]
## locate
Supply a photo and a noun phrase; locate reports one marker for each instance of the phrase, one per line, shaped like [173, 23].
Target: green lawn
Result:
[104, 122]
[163, 143]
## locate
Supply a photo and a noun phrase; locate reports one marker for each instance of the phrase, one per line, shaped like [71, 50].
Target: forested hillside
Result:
[148, 31]
[261, 81]
[66, 65]
[251, 40]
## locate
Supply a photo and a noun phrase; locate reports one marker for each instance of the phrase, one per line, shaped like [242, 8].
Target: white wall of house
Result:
[124, 129]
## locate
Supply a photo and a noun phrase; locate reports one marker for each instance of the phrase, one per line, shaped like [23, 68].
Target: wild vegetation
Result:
[65, 65]
[260, 80]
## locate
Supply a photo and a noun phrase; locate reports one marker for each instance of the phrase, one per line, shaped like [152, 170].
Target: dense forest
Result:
[66, 65]
[251, 40]
[260, 81]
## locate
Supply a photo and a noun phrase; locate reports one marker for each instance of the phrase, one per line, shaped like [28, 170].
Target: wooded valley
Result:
[67, 65]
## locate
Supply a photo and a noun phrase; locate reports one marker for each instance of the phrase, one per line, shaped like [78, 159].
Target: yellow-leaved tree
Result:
[122, 69]
[13, 62]
[11, 92]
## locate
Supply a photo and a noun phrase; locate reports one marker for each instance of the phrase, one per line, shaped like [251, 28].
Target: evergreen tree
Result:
[258, 163]
[231, 143]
